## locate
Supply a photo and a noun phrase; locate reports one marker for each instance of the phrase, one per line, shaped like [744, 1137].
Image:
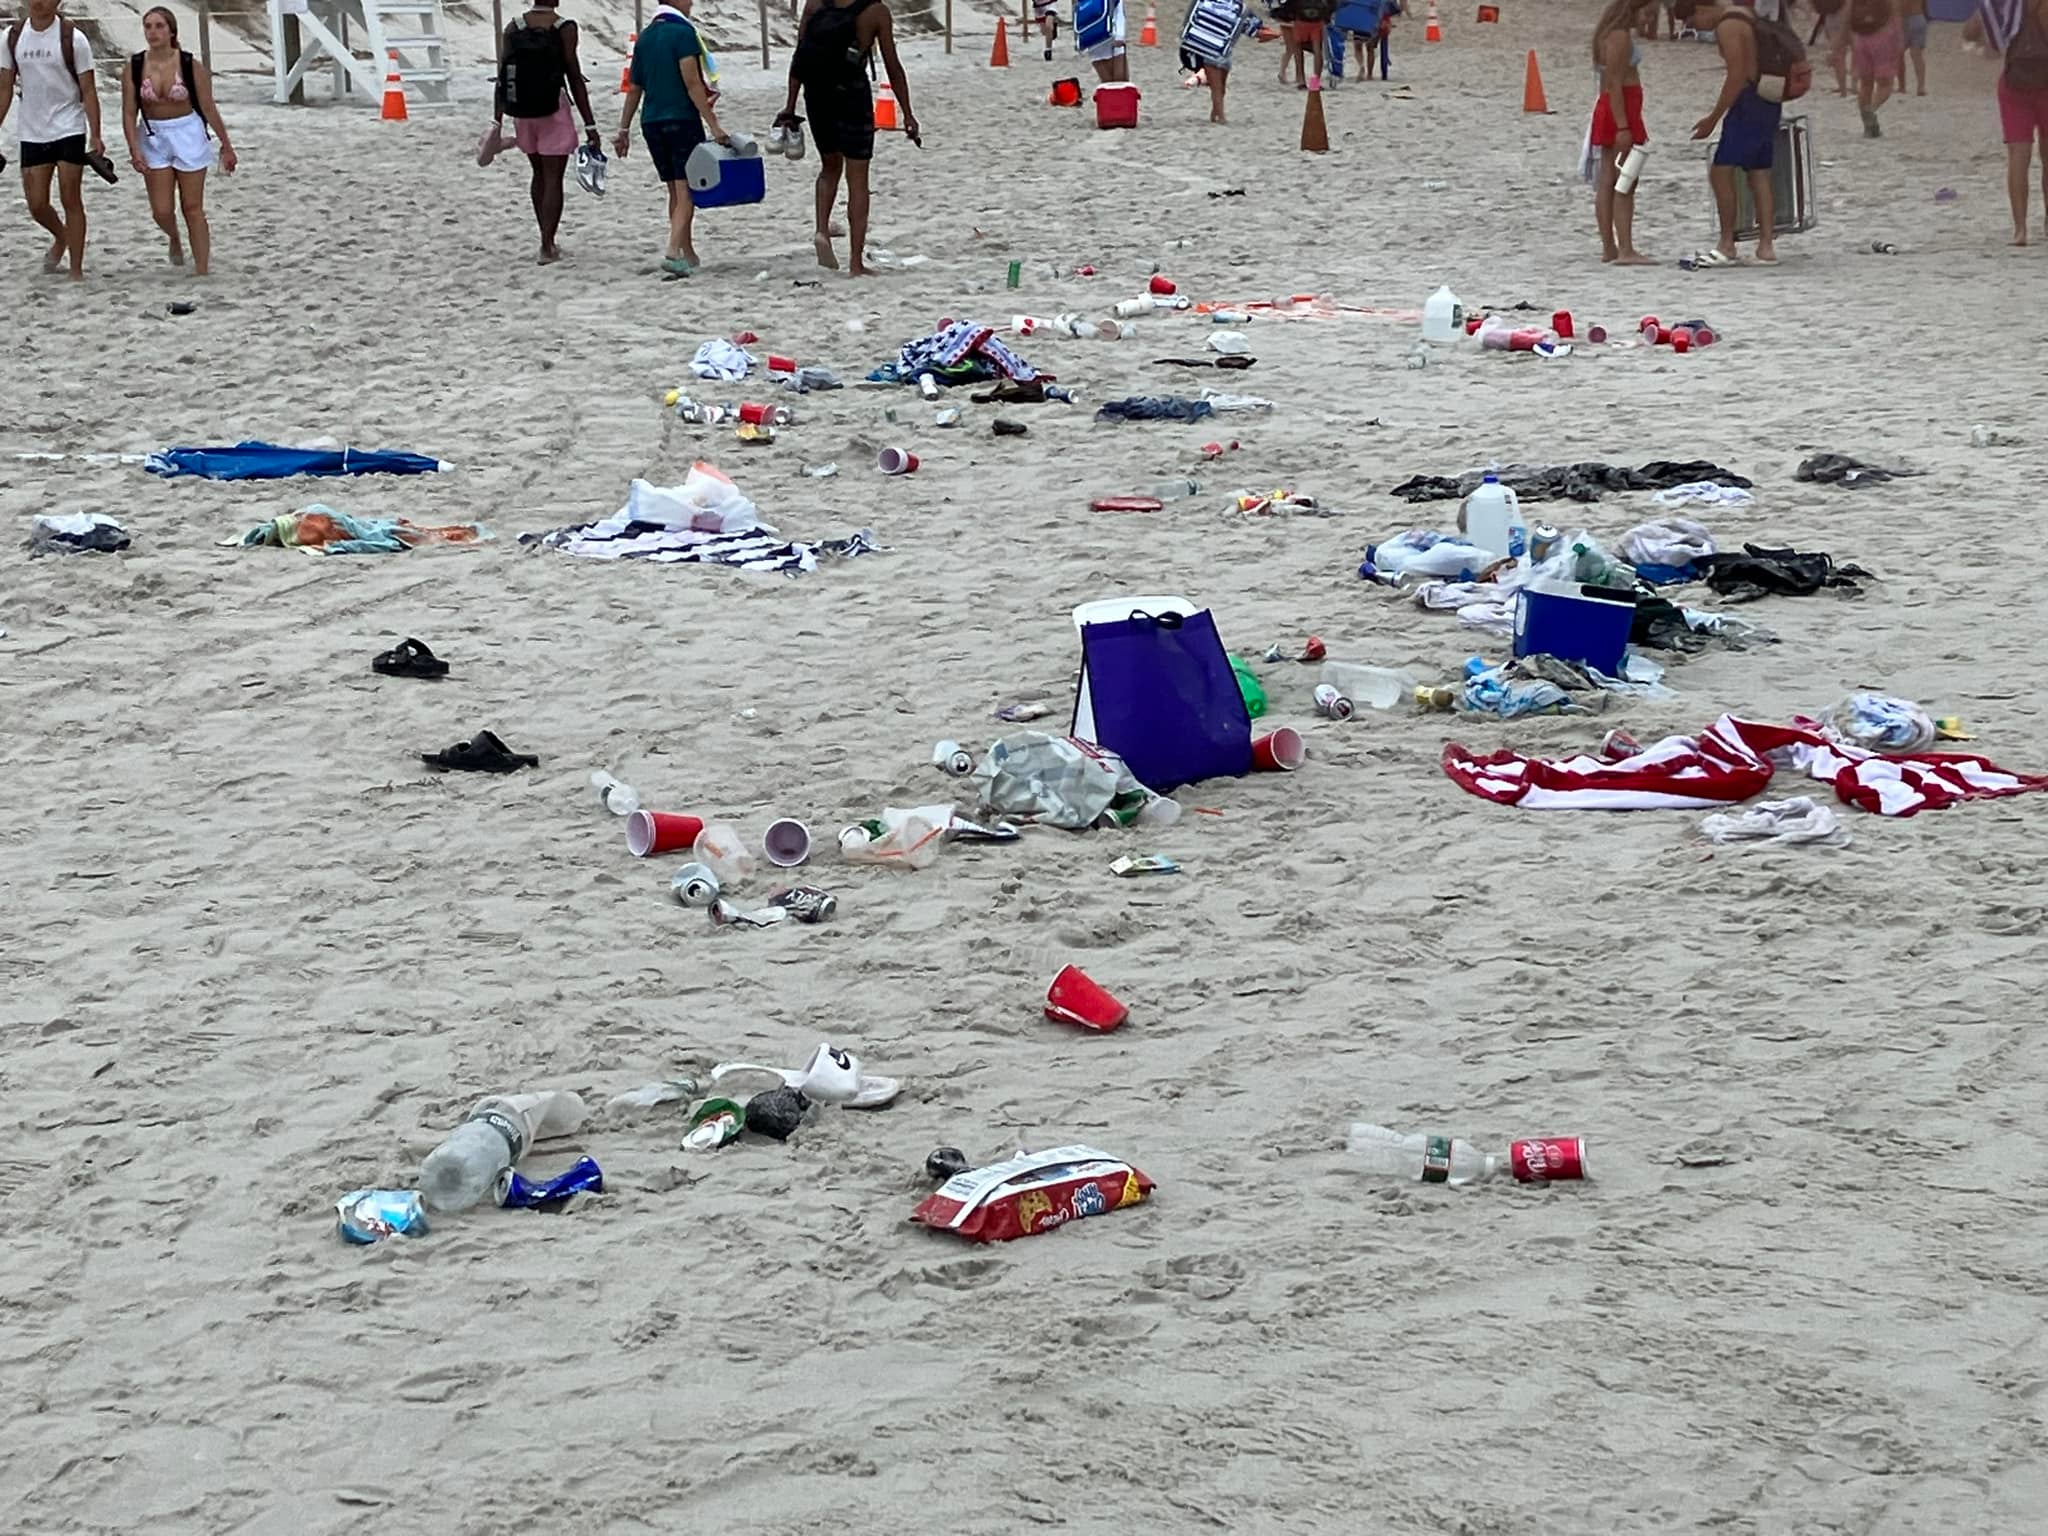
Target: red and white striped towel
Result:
[1730, 761]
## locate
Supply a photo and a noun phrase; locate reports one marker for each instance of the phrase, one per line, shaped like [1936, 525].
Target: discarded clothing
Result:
[79, 533]
[1232, 361]
[804, 380]
[1802, 820]
[723, 360]
[1840, 469]
[1575, 482]
[1729, 762]
[1881, 724]
[320, 530]
[267, 461]
[961, 353]
[1674, 542]
[1023, 392]
[1759, 572]
[1154, 408]
[1703, 493]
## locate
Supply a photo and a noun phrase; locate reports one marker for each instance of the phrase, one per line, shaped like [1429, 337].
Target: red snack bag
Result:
[1038, 1192]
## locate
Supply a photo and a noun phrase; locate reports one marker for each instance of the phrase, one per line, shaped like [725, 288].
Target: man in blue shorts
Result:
[669, 91]
[1749, 129]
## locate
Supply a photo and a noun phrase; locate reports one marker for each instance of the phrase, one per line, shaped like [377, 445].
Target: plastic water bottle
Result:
[1442, 317]
[1443, 1160]
[465, 1168]
[1493, 519]
[614, 796]
[1357, 683]
[1175, 490]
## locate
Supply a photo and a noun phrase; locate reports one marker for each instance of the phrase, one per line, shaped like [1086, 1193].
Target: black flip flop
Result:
[411, 659]
[102, 167]
[484, 753]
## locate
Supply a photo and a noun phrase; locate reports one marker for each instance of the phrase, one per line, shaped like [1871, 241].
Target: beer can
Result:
[1331, 704]
[805, 903]
[1542, 543]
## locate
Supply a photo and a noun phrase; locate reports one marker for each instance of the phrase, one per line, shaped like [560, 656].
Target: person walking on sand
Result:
[668, 90]
[1913, 23]
[1099, 37]
[830, 63]
[2019, 30]
[59, 126]
[1749, 129]
[1831, 20]
[167, 111]
[1618, 125]
[1208, 41]
[1307, 39]
[1877, 51]
[537, 79]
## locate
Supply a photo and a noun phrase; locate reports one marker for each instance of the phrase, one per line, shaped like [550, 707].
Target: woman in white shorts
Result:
[167, 108]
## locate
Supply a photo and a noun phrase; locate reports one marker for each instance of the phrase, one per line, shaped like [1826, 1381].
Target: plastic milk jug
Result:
[1443, 317]
[1493, 519]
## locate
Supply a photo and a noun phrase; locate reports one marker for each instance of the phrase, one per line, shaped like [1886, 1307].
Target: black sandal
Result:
[484, 753]
[411, 659]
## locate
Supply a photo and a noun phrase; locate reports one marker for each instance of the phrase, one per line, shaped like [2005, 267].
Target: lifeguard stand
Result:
[355, 40]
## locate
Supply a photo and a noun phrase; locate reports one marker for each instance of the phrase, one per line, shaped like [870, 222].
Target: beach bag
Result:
[1094, 23]
[829, 52]
[1211, 31]
[1780, 56]
[1361, 17]
[191, 90]
[1165, 700]
[535, 71]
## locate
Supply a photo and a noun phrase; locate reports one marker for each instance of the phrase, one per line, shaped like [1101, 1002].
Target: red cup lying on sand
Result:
[781, 364]
[1561, 322]
[652, 832]
[787, 843]
[1073, 998]
[1681, 340]
[1280, 751]
[756, 414]
[896, 461]
[1162, 285]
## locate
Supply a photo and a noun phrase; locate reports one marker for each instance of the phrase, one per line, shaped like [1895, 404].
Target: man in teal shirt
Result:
[668, 90]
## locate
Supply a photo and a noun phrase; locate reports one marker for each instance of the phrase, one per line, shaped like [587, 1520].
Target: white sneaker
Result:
[778, 140]
[793, 144]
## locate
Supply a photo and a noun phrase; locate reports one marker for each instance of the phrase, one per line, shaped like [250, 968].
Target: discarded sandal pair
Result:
[482, 753]
[410, 658]
[831, 1076]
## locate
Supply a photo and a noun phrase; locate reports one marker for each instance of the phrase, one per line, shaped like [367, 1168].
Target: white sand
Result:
[256, 956]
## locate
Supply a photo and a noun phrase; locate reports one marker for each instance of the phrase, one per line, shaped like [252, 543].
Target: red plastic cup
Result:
[1704, 336]
[1472, 324]
[1681, 340]
[1561, 322]
[896, 461]
[1663, 336]
[1647, 324]
[651, 832]
[781, 364]
[1162, 284]
[744, 338]
[1074, 998]
[759, 415]
[1547, 1159]
[1280, 751]
[1314, 649]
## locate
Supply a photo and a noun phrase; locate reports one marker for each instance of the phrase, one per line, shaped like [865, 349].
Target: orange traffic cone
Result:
[1148, 35]
[999, 56]
[1532, 88]
[394, 93]
[885, 109]
[1315, 133]
[1434, 31]
[626, 69]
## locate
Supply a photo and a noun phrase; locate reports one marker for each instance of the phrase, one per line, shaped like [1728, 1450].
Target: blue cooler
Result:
[721, 178]
[1586, 625]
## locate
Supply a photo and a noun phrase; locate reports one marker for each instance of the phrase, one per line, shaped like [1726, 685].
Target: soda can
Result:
[1542, 543]
[695, 885]
[1331, 704]
[1547, 1159]
[1130, 309]
[805, 903]
[951, 757]
[515, 1192]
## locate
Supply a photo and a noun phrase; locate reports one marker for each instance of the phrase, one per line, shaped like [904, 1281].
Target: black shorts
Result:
[843, 121]
[669, 144]
[69, 151]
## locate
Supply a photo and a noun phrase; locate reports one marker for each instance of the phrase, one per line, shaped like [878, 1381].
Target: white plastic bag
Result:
[707, 501]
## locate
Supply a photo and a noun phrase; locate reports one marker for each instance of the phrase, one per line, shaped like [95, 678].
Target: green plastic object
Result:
[1248, 685]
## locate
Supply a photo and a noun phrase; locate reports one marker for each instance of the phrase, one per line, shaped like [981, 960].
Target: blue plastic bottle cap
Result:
[1489, 479]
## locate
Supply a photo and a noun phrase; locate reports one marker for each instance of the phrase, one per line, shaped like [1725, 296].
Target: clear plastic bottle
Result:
[1381, 687]
[465, 1168]
[613, 795]
[1427, 1159]
[1176, 490]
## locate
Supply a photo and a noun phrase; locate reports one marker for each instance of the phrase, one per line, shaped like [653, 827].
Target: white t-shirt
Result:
[50, 107]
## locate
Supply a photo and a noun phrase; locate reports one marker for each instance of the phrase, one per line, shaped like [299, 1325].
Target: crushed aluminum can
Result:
[964, 831]
[516, 1192]
[1133, 864]
[371, 1215]
[695, 885]
[805, 903]
[726, 914]
[946, 416]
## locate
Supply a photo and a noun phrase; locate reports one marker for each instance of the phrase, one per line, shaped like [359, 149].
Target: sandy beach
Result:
[258, 956]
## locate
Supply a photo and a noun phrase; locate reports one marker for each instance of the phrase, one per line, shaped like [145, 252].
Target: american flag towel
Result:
[1731, 761]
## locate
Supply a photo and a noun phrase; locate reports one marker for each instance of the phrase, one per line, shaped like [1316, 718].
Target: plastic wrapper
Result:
[371, 1215]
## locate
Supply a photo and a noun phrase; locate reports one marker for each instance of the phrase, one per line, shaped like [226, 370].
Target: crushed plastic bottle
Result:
[614, 795]
[906, 839]
[465, 1167]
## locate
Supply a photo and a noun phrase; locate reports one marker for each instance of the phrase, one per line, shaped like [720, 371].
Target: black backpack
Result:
[1780, 55]
[535, 71]
[65, 33]
[830, 52]
[191, 90]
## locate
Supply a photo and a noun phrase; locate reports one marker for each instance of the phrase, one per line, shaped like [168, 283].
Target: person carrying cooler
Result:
[59, 127]
[167, 111]
[830, 64]
[668, 89]
[537, 79]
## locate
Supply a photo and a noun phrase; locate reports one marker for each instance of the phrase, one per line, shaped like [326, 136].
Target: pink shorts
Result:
[1879, 55]
[547, 135]
[2023, 115]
